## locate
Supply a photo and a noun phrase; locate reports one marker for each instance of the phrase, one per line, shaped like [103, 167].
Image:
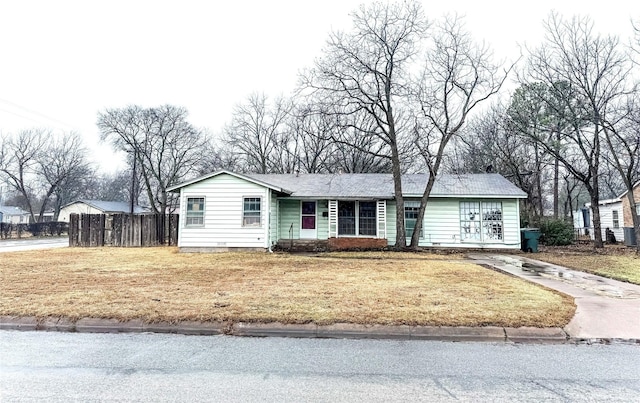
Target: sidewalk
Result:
[606, 308]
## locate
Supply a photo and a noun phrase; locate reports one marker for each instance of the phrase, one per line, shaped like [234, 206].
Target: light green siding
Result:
[289, 219]
[223, 207]
[391, 222]
[289, 214]
[442, 224]
[323, 222]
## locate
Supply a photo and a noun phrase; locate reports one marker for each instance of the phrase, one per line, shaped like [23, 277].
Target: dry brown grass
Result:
[614, 261]
[159, 284]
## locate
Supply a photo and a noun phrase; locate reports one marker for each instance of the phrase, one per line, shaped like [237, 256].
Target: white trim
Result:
[242, 211]
[333, 219]
[239, 176]
[381, 216]
[186, 210]
[315, 230]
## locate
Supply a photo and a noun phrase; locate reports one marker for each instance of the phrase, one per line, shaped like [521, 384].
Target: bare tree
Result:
[19, 156]
[258, 133]
[458, 76]
[490, 144]
[585, 74]
[312, 132]
[367, 70]
[63, 165]
[159, 141]
[622, 139]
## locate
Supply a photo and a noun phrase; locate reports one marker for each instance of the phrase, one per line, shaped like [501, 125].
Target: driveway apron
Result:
[606, 309]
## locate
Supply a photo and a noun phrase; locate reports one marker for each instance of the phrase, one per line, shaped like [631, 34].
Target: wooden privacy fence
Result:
[91, 230]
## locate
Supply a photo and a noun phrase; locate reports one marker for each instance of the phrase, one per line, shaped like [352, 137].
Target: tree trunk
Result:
[401, 239]
[556, 190]
[597, 226]
[415, 237]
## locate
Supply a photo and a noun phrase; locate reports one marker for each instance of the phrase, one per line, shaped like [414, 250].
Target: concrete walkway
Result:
[606, 309]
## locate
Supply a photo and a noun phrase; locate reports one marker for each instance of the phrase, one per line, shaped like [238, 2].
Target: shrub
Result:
[557, 232]
[48, 228]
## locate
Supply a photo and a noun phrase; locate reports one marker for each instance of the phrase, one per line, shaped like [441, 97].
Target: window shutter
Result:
[382, 219]
[333, 218]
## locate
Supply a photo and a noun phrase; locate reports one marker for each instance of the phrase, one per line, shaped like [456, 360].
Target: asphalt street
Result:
[16, 245]
[58, 366]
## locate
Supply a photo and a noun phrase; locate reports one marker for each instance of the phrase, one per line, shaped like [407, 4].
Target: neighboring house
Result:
[47, 216]
[626, 213]
[97, 207]
[626, 207]
[610, 217]
[226, 210]
[13, 215]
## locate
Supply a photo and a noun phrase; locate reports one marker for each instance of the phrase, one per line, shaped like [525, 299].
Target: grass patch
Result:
[621, 266]
[159, 284]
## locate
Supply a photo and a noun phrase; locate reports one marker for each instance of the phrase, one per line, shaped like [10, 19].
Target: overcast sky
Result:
[64, 61]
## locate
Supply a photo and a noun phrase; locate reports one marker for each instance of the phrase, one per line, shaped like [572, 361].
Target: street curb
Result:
[492, 334]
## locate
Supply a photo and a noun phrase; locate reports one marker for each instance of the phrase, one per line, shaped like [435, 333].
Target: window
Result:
[411, 208]
[492, 221]
[346, 218]
[195, 212]
[616, 219]
[251, 213]
[367, 219]
[481, 221]
[357, 218]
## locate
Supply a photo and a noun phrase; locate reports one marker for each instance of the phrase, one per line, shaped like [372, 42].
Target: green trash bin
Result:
[529, 239]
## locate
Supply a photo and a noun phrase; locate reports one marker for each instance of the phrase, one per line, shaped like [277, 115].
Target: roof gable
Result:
[110, 206]
[225, 172]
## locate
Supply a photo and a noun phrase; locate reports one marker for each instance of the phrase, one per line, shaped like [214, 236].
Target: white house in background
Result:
[97, 207]
[610, 217]
[13, 215]
[226, 210]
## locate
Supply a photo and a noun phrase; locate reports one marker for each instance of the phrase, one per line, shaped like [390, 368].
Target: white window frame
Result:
[190, 214]
[477, 224]
[356, 234]
[412, 204]
[615, 218]
[244, 212]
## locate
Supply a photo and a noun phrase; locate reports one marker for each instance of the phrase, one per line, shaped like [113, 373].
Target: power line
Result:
[33, 112]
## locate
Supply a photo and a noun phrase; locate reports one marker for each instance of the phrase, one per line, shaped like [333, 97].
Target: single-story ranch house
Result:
[226, 210]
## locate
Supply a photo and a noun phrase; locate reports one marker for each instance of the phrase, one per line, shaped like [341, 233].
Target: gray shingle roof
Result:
[10, 210]
[380, 186]
[113, 206]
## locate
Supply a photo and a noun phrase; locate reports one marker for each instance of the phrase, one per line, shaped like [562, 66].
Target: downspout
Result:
[269, 221]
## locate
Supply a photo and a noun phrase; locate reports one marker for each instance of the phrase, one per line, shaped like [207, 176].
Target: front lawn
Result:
[160, 284]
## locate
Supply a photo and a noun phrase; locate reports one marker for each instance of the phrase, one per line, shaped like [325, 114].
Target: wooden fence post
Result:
[73, 230]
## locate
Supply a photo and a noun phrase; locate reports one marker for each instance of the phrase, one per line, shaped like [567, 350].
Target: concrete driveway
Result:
[606, 309]
[16, 245]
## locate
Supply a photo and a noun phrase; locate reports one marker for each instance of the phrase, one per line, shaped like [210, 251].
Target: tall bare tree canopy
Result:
[458, 75]
[43, 168]
[160, 141]
[367, 71]
[259, 134]
[583, 75]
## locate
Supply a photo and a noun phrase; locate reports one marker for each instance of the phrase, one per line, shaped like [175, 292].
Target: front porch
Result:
[331, 244]
[326, 219]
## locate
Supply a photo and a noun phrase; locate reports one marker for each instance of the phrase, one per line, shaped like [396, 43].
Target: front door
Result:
[308, 220]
